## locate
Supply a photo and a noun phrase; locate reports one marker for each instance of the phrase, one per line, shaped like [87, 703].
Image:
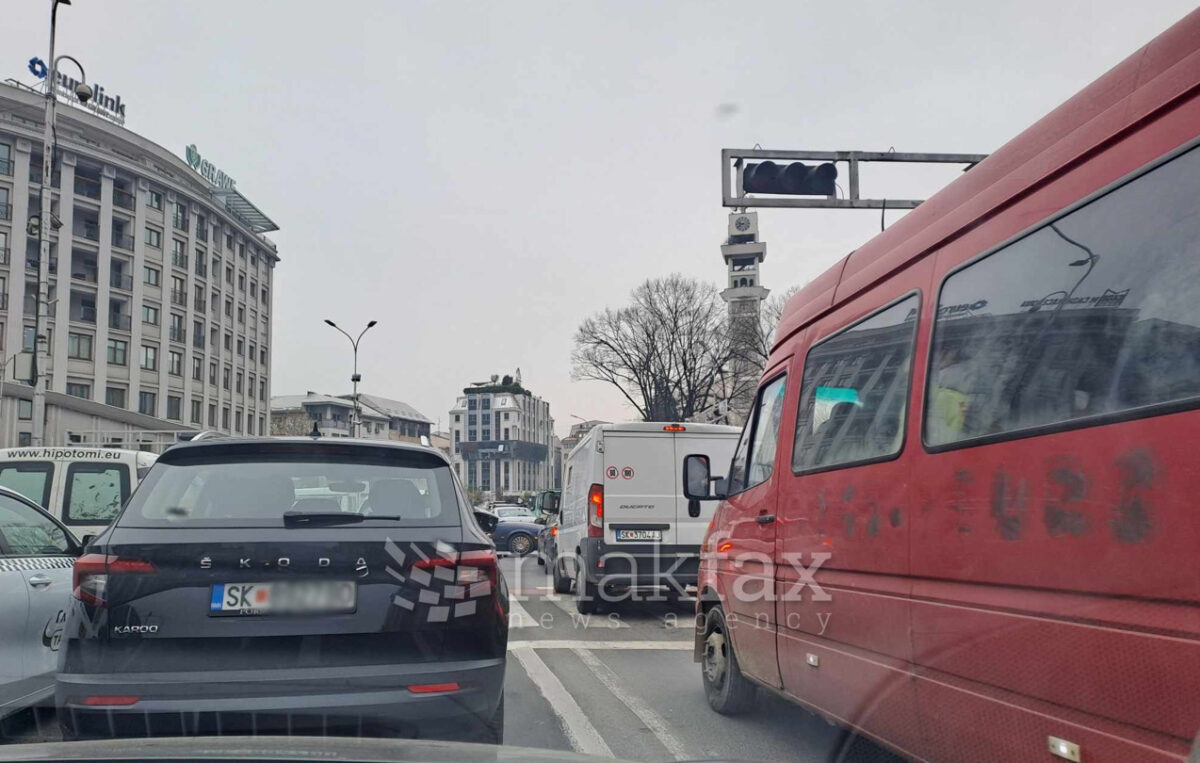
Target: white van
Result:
[624, 521]
[82, 487]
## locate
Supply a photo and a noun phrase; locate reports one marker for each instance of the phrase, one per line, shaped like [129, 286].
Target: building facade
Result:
[382, 418]
[160, 290]
[503, 438]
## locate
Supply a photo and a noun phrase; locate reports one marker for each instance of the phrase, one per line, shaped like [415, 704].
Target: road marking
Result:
[580, 732]
[518, 617]
[602, 622]
[643, 711]
[682, 646]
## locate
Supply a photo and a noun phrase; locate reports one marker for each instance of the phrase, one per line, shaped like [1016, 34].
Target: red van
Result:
[964, 517]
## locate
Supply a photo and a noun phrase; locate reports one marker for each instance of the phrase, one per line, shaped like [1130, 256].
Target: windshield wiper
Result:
[298, 518]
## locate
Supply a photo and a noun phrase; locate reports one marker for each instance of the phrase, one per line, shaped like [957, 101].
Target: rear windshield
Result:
[255, 492]
[29, 478]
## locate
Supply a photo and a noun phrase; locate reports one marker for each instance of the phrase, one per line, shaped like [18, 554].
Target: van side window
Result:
[736, 482]
[766, 432]
[855, 391]
[1093, 314]
[95, 492]
[31, 479]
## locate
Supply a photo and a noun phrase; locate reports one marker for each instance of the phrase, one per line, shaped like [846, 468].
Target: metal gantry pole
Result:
[42, 316]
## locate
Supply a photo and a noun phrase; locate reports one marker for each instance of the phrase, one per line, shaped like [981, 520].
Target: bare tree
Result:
[667, 352]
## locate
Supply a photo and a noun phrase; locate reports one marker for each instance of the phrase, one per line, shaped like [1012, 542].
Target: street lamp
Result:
[84, 93]
[356, 377]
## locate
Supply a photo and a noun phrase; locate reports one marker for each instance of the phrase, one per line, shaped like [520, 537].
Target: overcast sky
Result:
[479, 177]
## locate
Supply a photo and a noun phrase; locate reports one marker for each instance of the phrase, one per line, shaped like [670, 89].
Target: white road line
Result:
[647, 714]
[518, 617]
[579, 730]
[681, 646]
[590, 622]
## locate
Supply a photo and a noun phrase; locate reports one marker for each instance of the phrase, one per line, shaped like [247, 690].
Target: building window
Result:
[506, 433]
[229, 307]
[148, 403]
[154, 238]
[213, 333]
[229, 241]
[174, 407]
[241, 282]
[457, 418]
[228, 341]
[225, 417]
[78, 389]
[506, 415]
[197, 411]
[151, 275]
[150, 315]
[229, 274]
[228, 372]
[471, 419]
[237, 421]
[79, 346]
[212, 414]
[470, 435]
[24, 439]
[149, 358]
[197, 368]
[241, 347]
[262, 389]
[174, 365]
[253, 289]
[116, 352]
[212, 373]
[154, 199]
[240, 382]
[487, 435]
[262, 425]
[241, 314]
[264, 295]
[25, 410]
[263, 356]
[457, 435]
[115, 396]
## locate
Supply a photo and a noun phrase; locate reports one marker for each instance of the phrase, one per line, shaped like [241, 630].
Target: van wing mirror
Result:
[698, 479]
[86, 541]
[551, 503]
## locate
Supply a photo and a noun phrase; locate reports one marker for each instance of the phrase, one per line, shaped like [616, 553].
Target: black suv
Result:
[289, 586]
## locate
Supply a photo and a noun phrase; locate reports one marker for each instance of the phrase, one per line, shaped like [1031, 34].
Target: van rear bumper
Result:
[640, 564]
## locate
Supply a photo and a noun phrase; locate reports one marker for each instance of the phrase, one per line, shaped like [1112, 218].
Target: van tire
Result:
[727, 690]
[562, 583]
[587, 595]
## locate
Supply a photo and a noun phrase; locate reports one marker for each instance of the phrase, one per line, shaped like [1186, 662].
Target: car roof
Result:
[659, 426]
[217, 444]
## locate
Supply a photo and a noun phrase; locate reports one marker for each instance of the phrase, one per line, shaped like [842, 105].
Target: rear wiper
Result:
[298, 518]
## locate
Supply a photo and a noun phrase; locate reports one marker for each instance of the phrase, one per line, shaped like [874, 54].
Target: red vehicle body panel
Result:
[987, 597]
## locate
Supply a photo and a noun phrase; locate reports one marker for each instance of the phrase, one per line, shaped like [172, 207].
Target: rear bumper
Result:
[221, 701]
[635, 565]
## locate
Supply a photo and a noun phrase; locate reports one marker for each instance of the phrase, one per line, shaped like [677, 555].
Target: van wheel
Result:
[562, 583]
[728, 691]
[587, 595]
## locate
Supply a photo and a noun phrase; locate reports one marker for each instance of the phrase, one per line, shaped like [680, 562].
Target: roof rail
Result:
[207, 434]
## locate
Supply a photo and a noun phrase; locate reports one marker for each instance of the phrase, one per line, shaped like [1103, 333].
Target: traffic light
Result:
[795, 179]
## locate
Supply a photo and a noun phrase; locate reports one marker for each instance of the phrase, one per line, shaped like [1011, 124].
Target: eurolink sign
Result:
[102, 104]
[208, 171]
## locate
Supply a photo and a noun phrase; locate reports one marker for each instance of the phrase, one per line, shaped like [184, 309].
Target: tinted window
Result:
[29, 478]
[855, 391]
[27, 532]
[256, 491]
[95, 492]
[1093, 314]
[766, 433]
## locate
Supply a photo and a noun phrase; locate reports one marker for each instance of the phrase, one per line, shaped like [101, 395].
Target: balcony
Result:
[119, 280]
[30, 304]
[85, 272]
[83, 314]
[86, 186]
[180, 222]
[198, 341]
[32, 263]
[202, 232]
[122, 240]
[178, 297]
[6, 167]
[120, 321]
[5, 211]
[179, 260]
[123, 199]
[201, 268]
[4, 256]
[90, 231]
[199, 305]
[35, 176]
[177, 334]
[338, 426]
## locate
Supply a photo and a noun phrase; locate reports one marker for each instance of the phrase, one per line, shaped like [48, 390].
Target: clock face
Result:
[742, 223]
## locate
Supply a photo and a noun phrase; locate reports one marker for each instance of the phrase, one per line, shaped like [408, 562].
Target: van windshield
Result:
[31, 479]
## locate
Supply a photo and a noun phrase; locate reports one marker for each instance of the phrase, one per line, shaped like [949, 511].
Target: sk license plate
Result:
[655, 535]
[290, 597]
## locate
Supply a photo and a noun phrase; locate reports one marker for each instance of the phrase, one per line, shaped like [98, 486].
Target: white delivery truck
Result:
[84, 488]
[624, 522]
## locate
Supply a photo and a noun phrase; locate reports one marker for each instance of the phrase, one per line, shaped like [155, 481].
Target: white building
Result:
[382, 419]
[160, 286]
[503, 437]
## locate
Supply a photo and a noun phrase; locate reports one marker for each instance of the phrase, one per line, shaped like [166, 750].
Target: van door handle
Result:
[38, 581]
[765, 519]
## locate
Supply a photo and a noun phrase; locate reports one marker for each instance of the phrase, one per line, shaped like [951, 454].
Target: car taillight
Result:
[476, 567]
[596, 511]
[91, 573]
[554, 531]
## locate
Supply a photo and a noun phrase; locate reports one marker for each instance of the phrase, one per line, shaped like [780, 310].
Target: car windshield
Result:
[261, 493]
[647, 379]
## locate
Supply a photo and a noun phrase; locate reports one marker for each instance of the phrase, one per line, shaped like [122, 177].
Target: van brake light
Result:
[596, 511]
[674, 428]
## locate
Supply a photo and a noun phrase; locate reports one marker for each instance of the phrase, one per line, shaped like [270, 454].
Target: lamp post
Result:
[355, 378]
[45, 218]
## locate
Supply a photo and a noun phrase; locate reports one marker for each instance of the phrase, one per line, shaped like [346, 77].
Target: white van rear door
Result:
[719, 449]
[639, 488]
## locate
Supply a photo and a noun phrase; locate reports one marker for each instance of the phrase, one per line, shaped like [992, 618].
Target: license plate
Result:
[302, 597]
[655, 535]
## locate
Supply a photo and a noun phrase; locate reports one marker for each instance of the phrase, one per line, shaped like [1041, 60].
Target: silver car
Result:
[37, 554]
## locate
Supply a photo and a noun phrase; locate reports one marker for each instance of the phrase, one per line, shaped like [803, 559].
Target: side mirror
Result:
[551, 503]
[698, 480]
[86, 540]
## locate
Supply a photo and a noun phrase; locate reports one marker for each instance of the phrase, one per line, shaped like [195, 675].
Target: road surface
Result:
[621, 684]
